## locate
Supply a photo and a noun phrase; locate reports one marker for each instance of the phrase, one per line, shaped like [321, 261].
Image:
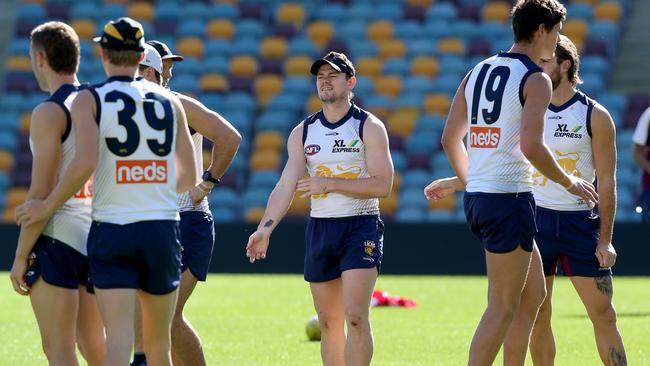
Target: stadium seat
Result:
[298, 85]
[410, 99]
[266, 86]
[269, 140]
[85, 28]
[291, 13]
[369, 67]
[214, 83]
[221, 28]
[390, 86]
[265, 160]
[410, 215]
[194, 10]
[224, 11]
[451, 46]
[388, 205]
[273, 48]
[424, 66]
[420, 3]
[18, 63]
[313, 104]
[611, 11]
[141, 11]
[399, 161]
[6, 160]
[299, 206]
[442, 11]
[320, 32]
[401, 123]
[250, 28]
[302, 46]
[407, 29]
[496, 12]
[576, 29]
[448, 203]
[192, 46]
[297, 66]
[254, 215]
[580, 11]
[380, 30]
[437, 104]
[392, 48]
[243, 66]
[412, 198]
[15, 196]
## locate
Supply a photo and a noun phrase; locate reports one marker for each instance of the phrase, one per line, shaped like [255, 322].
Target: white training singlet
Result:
[336, 150]
[70, 223]
[135, 177]
[568, 135]
[184, 201]
[494, 95]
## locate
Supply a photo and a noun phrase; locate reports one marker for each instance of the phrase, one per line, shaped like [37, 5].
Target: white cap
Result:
[152, 58]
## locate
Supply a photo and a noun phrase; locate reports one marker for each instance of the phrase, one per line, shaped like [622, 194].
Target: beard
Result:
[556, 79]
[331, 97]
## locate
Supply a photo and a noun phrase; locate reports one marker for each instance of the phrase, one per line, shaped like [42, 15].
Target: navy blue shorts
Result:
[57, 263]
[644, 202]
[142, 255]
[197, 242]
[335, 245]
[569, 237]
[502, 221]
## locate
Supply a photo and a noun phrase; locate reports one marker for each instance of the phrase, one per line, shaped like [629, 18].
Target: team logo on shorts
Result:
[369, 247]
[312, 149]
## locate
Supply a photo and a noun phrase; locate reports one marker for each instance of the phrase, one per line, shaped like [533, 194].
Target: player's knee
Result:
[93, 351]
[356, 316]
[329, 321]
[603, 316]
[57, 350]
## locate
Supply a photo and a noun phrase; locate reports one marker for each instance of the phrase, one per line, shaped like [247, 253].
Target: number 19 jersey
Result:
[135, 177]
[495, 99]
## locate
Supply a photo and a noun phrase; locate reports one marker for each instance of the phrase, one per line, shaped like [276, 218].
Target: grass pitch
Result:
[259, 320]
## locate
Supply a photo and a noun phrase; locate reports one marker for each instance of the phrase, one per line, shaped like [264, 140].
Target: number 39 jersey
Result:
[494, 95]
[135, 177]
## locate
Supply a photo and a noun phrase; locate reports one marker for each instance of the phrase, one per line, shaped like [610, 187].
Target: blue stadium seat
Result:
[31, 12]
[362, 48]
[407, 29]
[332, 13]
[613, 101]
[594, 84]
[19, 47]
[444, 11]
[387, 11]
[289, 102]
[241, 101]
[378, 101]
[447, 84]
[299, 85]
[8, 141]
[453, 64]
[215, 64]
[580, 11]
[212, 101]
[9, 121]
[501, 44]
[360, 11]
[399, 160]
[440, 164]
[417, 179]
[250, 28]
[245, 46]
[83, 10]
[301, 45]
[195, 10]
[410, 215]
[440, 216]
[5, 182]
[11, 102]
[606, 30]
[421, 47]
[223, 197]
[354, 29]
[109, 12]
[218, 47]
[223, 11]
[494, 30]
[263, 179]
[365, 87]
[436, 28]
[429, 122]
[254, 197]
[184, 83]
[410, 99]
[417, 84]
[396, 66]
[413, 198]
[423, 142]
[594, 64]
[168, 12]
[464, 29]
[276, 120]
[191, 28]
[190, 65]
[223, 215]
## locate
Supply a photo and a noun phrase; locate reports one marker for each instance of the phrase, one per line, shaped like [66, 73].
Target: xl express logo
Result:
[341, 146]
[563, 130]
[140, 171]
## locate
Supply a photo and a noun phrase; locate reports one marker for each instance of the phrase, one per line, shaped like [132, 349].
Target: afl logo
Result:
[312, 150]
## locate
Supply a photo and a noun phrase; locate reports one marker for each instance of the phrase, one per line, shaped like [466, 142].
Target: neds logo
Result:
[484, 137]
[141, 171]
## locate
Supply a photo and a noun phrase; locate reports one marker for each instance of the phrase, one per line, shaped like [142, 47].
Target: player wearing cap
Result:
[51, 265]
[197, 225]
[130, 133]
[345, 151]
[168, 59]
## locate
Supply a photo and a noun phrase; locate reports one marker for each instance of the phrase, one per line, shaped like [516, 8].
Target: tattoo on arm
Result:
[268, 223]
[604, 285]
[616, 357]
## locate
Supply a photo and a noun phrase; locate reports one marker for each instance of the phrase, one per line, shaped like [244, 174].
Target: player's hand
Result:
[606, 254]
[311, 186]
[440, 188]
[17, 276]
[584, 190]
[199, 192]
[257, 245]
[31, 211]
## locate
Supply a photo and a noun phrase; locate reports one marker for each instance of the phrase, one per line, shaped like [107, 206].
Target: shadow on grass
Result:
[620, 315]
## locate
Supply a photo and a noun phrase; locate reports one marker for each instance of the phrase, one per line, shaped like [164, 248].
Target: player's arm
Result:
[454, 133]
[378, 162]
[185, 163]
[225, 138]
[281, 196]
[46, 128]
[640, 140]
[603, 145]
[537, 95]
[80, 169]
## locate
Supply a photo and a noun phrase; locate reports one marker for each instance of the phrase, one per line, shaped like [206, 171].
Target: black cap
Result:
[338, 61]
[164, 51]
[123, 34]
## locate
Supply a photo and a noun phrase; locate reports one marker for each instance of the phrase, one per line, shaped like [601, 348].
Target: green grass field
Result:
[247, 320]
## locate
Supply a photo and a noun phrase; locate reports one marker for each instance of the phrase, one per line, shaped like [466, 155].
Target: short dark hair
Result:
[527, 15]
[566, 50]
[124, 57]
[60, 44]
[141, 69]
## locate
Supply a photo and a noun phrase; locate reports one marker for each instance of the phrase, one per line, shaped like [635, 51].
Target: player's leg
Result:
[506, 278]
[518, 336]
[56, 313]
[596, 294]
[186, 344]
[542, 341]
[117, 307]
[358, 285]
[328, 302]
[90, 329]
[139, 358]
[157, 313]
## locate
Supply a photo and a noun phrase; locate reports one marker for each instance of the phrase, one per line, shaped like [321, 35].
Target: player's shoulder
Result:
[521, 59]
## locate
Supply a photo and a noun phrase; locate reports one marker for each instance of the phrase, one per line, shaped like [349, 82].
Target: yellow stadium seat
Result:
[6, 161]
[369, 67]
[611, 11]
[274, 47]
[15, 196]
[299, 206]
[267, 86]
[392, 48]
[85, 28]
[254, 215]
[265, 160]
[388, 205]
[320, 32]
[397, 182]
[576, 30]
[116, 1]
[314, 104]
[424, 66]
[496, 12]
[25, 122]
[190, 46]
[388, 85]
[8, 215]
[448, 203]
[221, 28]
[214, 83]
[420, 3]
[381, 112]
[452, 46]
[298, 65]
[402, 123]
[380, 30]
[37, 2]
[269, 140]
[291, 13]
[243, 66]
[18, 63]
[207, 159]
[142, 11]
[437, 104]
